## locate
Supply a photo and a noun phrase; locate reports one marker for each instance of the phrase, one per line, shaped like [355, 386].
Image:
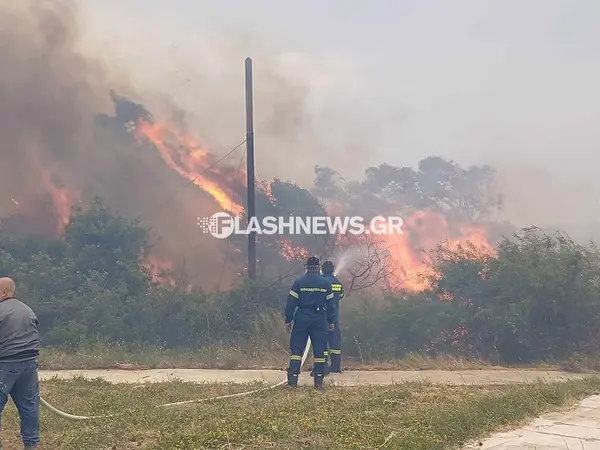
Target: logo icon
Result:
[220, 225]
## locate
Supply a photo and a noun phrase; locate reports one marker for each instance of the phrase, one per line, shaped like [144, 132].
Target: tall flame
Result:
[63, 200]
[187, 157]
[266, 188]
[43, 212]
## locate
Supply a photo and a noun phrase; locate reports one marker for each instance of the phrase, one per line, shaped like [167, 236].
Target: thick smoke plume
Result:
[55, 151]
[63, 142]
[64, 139]
[47, 100]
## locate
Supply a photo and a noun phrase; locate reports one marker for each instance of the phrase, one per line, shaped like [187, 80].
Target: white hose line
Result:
[68, 416]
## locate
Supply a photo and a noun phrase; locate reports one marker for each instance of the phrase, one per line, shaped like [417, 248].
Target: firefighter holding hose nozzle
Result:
[310, 308]
[334, 336]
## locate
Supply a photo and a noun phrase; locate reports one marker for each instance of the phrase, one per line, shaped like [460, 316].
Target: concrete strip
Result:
[576, 429]
[349, 378]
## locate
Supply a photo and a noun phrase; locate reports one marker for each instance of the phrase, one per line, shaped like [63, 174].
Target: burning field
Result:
[65, 140]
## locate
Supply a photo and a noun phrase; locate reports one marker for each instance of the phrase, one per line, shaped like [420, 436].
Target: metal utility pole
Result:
[251, 208]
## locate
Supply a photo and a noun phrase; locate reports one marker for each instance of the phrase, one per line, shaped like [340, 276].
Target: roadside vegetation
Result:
[535, 301]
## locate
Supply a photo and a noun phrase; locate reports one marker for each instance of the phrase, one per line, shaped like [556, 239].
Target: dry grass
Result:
[415, 416]
[273, 357]
[581, 363]
[116, 356]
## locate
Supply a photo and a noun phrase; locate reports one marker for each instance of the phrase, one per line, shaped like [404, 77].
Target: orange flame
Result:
[160, 269]
[62, 199]
[290, 252]
[266, 188]
[423, 231]
[190, 160]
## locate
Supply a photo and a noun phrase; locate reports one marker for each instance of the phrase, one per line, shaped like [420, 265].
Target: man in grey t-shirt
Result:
[19, 350]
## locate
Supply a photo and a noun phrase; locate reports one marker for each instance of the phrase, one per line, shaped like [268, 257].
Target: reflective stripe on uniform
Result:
[329, 297]
[335, 352]
[336, 287]
[296, 357]
[313, 289]
[319, 360]
[326, 353]
[294, 294]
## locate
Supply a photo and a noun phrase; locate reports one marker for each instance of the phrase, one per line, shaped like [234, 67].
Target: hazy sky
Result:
[507, 82]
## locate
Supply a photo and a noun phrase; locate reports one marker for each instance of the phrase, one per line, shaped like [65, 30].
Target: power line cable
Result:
[211, 166]
[158, 205]
[227, 250]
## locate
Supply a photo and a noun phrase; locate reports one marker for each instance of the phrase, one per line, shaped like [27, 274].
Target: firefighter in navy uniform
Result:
[334, 337]
[310, 307]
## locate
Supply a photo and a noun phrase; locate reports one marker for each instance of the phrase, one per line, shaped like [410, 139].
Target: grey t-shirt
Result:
[19, 336]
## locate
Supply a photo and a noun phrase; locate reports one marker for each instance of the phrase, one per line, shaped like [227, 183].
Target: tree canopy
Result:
[536, 297]
[465, 194]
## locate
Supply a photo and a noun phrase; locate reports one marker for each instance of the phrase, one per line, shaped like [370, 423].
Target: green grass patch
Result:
[404, 416]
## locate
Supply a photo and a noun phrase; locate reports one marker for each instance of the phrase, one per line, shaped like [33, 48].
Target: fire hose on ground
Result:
[68, 416]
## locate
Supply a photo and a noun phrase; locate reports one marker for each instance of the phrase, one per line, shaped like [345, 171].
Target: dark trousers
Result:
[304, 327]
[334, 338]
[19, 380]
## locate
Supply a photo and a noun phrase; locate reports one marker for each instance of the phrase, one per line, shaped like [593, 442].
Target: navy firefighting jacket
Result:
[313, 294]
[338, 292]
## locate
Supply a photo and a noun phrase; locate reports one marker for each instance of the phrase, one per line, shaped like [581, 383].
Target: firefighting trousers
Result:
[334, 338]
[318, 337]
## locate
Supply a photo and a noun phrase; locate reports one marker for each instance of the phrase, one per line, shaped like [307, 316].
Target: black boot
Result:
[336, 363]
[326, 371]
[292, 379]
[319, 381]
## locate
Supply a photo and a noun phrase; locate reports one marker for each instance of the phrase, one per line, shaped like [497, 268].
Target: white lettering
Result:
[395, 223]
[289, 224]
[337, 224]
[270, 225]
[357, 226]
[253, 225]
[319, 225]
[378, 229]
[235, 223]
[303, 224]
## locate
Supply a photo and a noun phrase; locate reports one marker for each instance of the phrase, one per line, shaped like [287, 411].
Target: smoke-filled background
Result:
[343, 84]
[511, 84]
